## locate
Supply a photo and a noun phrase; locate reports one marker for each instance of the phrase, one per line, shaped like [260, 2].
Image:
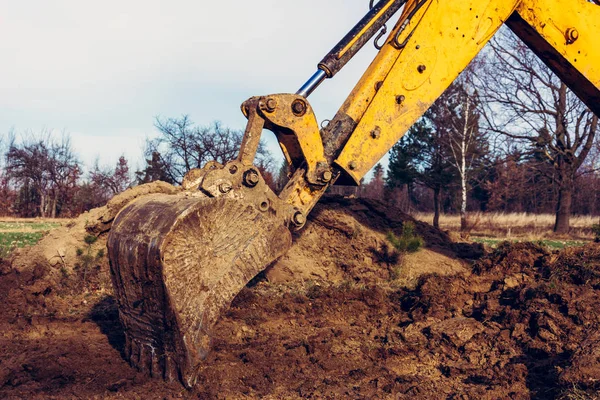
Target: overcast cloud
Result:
[103, 70]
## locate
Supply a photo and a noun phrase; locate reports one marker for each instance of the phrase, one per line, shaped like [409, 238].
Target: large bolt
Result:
[421, 68]
[352, 165]
[225, 187]
[572, 35]
[400, 99]
[326, 177]
[271, 104]
[299, 219]
[299, 107]
[251, 178]
[375, 133]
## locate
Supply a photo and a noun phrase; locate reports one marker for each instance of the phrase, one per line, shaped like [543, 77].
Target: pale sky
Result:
[103, 70]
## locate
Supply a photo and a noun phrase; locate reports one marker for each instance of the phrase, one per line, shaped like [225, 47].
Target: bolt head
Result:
[271, 104]
[375, 133]
[572, 35]
[225, 187]
[299, 218]
[327, 175]
[299, 107]
[352, 165]
[421, 68]
[251, 178]
[400, 99]
[264, 205]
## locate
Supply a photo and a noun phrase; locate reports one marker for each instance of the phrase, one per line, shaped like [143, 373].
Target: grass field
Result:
[493, 228]
[553, 244]
[16, 233]
[488, 228]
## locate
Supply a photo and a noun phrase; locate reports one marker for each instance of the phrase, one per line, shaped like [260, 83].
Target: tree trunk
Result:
[436, 207]
[43, 206]
[463, 179]
[563, 206]
[54, 203]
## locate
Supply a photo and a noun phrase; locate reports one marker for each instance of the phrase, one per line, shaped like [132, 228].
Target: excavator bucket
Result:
[177, 261]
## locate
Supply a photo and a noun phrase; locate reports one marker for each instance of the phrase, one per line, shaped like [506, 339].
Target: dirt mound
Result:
[528, 334]
[521, 323]
[58, 249]
[345, 240]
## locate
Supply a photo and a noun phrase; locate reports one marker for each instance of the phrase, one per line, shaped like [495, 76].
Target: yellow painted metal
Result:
[297, 132]
[446, 38]
[359, 100]
[564, 33]
[441, 38]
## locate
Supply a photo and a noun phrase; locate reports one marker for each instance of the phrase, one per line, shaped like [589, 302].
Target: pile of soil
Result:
[520, 322]
[345, 240]
[57, 251]
[524, 324]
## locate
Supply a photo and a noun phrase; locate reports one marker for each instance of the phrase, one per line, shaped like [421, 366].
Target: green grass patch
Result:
[12, 240]
[550, 243]
[19, 239]
[21, 233]
[33, 226]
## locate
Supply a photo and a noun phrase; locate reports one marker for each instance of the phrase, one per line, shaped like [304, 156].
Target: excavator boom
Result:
[177, 261]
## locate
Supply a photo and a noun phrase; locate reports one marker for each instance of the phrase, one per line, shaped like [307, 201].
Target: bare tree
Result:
[111, 181]
[46, 170]
[526, 102]
[182, 146]
[459, 114]
[7, 193]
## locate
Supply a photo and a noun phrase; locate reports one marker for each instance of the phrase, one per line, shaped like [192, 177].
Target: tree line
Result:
[41, 176]
[506, 136]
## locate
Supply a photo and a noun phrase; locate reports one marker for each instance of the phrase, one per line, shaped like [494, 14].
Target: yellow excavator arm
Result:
[177, 261]
[439, 41]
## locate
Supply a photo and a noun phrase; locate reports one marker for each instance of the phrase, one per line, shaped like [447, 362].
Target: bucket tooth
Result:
[177, 262]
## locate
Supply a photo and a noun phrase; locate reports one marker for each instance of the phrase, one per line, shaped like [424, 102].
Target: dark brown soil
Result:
[522, 324]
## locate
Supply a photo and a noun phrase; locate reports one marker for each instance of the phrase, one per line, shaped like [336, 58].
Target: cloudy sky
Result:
[102, 71]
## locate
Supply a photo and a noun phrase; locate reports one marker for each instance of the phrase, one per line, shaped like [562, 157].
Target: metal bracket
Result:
[291, 118]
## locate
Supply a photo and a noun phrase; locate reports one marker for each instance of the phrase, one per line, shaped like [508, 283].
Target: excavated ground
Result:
[335, 318]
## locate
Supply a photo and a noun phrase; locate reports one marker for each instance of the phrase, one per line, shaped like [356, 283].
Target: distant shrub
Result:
[408, 241]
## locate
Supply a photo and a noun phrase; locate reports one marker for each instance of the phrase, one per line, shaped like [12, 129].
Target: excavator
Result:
[178, 260]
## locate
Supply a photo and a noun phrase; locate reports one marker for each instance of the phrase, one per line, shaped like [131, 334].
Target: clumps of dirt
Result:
[523, 333]
[335, 320]
[58, 250]
[345, 240]
[101, 219]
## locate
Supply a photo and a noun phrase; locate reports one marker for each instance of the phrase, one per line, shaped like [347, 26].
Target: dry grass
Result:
[514, 225]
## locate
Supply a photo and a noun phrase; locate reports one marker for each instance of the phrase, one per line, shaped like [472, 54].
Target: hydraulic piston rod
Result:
[343, 52]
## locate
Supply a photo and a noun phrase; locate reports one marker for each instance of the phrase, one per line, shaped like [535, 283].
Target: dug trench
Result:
[334, 318]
